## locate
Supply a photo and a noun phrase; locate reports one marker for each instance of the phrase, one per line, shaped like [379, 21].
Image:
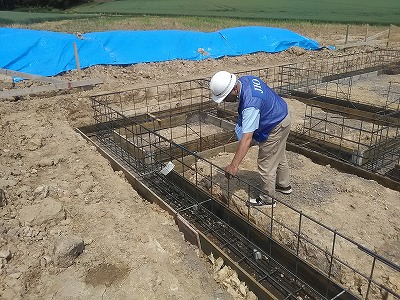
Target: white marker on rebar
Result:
[257, 254]
[167, 168]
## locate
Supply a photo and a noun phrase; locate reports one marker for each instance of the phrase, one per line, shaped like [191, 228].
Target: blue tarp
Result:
[50, 53]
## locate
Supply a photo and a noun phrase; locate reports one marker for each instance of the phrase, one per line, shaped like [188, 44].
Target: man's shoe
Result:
[284, 190]
[258, 202]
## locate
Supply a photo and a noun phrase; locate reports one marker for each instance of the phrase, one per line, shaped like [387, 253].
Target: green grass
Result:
[340, 11]
[16, 17]
[147, 22]
[315, 11]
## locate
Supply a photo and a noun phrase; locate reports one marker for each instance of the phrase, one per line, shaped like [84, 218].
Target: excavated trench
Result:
[269, 269]
[183, 128]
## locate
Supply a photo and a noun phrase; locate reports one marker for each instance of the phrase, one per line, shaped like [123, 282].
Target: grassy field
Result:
[13, 17]
[342, 11]
[317, 11]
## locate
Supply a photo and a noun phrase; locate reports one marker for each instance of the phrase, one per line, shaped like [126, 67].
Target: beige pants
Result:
[272, 163]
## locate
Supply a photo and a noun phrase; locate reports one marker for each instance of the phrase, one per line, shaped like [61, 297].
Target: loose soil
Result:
[133, 249]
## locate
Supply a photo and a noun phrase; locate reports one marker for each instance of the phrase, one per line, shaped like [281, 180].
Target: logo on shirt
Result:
[257, 85]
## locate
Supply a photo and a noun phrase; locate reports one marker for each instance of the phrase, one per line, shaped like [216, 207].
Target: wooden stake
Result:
[78, 65]
[388, 38]
[347, 34]
[366, 32]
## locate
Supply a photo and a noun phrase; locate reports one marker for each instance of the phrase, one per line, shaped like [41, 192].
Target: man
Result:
[263, 116]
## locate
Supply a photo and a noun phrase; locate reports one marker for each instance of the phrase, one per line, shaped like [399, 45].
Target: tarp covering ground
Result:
[49, 53]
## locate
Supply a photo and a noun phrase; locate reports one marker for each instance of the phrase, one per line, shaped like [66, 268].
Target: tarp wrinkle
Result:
[49, 53]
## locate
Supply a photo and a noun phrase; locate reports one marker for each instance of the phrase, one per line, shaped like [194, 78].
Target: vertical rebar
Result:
[298, 249]
[272, 216]
[186, 131]
[388, 96]
[298, 235]
[341, 134]
[359, 150]
[183, 164]
[211, 179]
[349, 87]
[325, 127]
[201, 139]
[304, 121]
[130, 157]
[347, 34]
[248, 211]
[195, 170]
[370, 277]
[332, 253]
[388, 37]
[229, 192]
[120, 103]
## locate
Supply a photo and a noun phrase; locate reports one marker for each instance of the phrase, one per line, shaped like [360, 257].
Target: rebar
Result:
[131, 125]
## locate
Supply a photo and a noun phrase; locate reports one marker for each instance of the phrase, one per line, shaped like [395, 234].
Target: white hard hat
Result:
[221, 84]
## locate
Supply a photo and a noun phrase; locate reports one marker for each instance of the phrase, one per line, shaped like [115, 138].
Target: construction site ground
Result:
[57, 186]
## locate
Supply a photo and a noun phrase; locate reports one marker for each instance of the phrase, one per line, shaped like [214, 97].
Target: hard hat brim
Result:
[218, 99]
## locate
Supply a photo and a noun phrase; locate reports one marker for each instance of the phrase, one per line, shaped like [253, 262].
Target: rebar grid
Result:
[369, 141]
[174, 97]
[247, 254]
[146, 151]
[383, 102]
[306, 75]
[170, 98]
[137, 126]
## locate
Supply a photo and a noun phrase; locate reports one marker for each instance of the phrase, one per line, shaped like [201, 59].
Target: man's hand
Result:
[244, 145]
[231, 171]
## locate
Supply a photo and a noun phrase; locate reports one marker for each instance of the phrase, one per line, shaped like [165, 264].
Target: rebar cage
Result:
[373, 144]
[165, 134]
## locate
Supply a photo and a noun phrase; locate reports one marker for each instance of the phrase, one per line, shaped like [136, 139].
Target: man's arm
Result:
[241, 151]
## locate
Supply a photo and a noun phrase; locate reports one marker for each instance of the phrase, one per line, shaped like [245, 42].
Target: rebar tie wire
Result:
[196, 205]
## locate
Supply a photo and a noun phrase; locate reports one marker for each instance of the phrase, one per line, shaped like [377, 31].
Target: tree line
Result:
[34, 4]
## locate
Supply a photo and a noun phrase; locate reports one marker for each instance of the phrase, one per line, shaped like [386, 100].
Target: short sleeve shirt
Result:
[250, 122]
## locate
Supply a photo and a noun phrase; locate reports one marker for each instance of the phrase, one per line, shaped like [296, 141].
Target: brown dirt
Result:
[134, 244]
